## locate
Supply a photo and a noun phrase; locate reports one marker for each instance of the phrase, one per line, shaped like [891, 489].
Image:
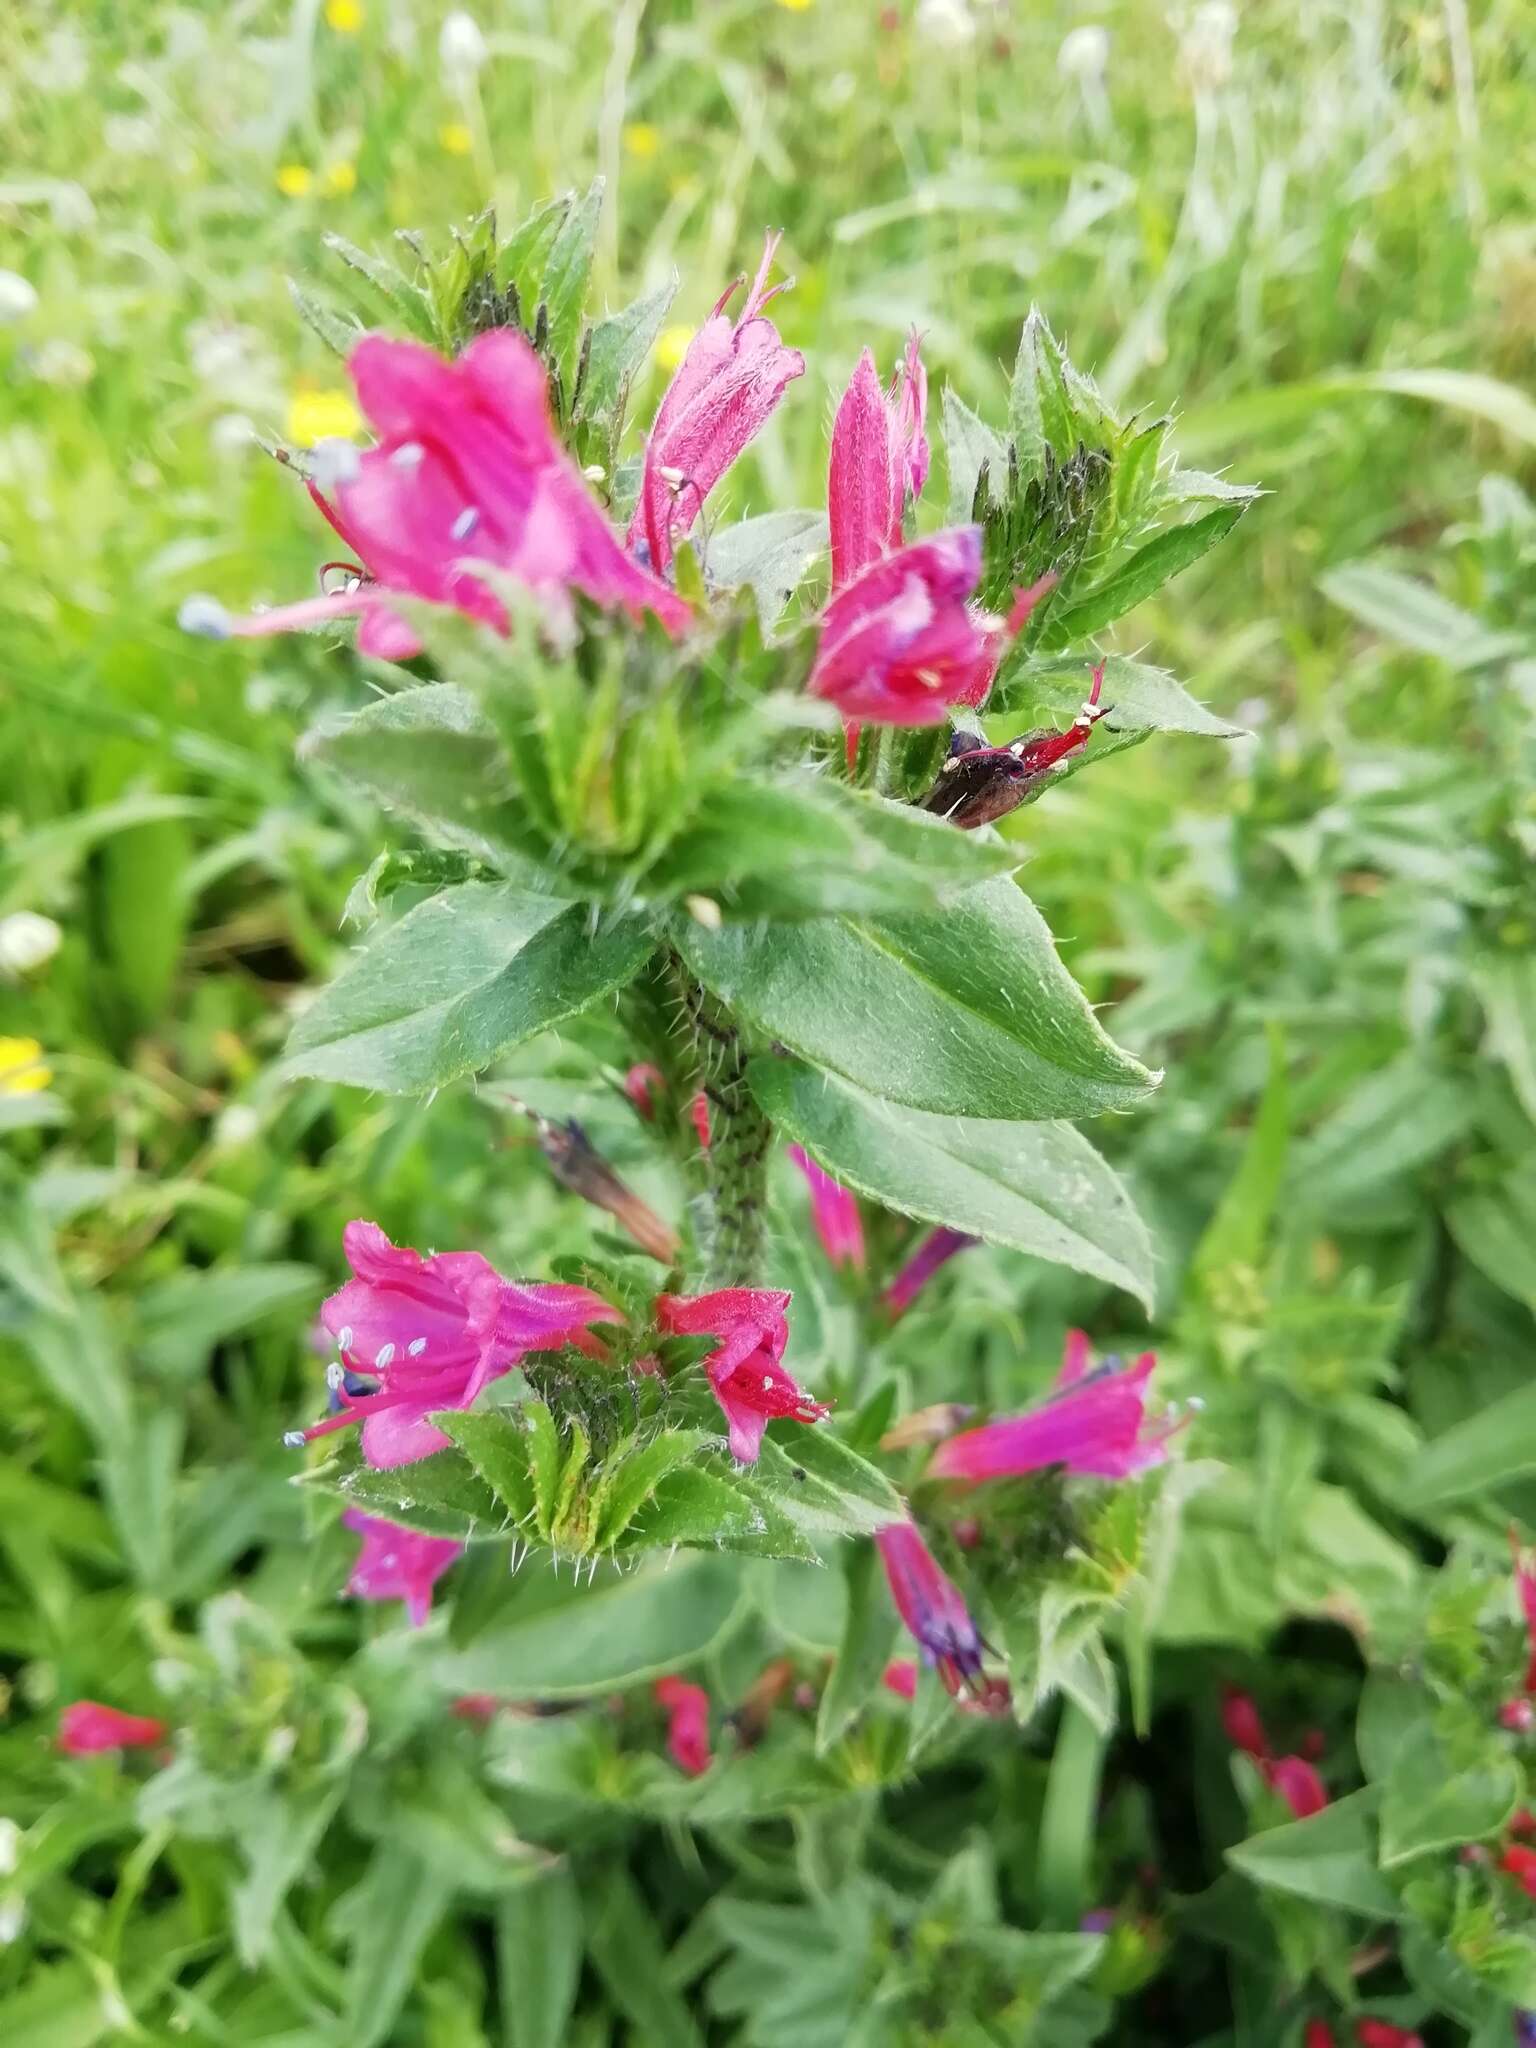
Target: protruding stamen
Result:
[335, 1376]
[344, 1339]
[383, 1358]
[294, 1439]
[204, 616]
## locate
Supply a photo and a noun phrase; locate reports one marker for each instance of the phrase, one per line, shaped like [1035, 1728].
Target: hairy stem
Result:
[735, 1162]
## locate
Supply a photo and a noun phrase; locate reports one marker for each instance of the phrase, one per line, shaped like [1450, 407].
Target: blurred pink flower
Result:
[467, 470]
[1243, 1723]
[396, 1563]
[900, 1677]
[433, 1332]
[86, 1728]
[1298, 1784]
[878, 465]
[724, 391]
[749, 1382]
[934, 1611]
[1525, 1586]
[687, 1723]
[935, 1249]
[1094, 1423]
[642, 1084]
[835, 1212]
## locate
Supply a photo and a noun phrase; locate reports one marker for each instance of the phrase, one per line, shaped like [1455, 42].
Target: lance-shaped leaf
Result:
[1132, 581]
[1329, 1858]
[440, 1495]
[967, 1012]
[1038, 1187]
[431, 754]
[970, 446]
[810, 847]
[768, 555]
[619, 346]
[461, 978]
[614, 1635]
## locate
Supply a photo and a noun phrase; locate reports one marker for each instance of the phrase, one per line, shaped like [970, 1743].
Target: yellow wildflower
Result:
[456, 138]
[672, 345]
[21, 1067]
[642, 139]
[796, 6]
[341, 177]
[321, 415]
[345, 16]
[294, 180]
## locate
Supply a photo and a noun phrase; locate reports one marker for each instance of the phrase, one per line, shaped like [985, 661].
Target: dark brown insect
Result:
[979, 782]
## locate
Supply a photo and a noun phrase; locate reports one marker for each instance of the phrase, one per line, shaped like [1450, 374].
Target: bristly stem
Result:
[735, 1162]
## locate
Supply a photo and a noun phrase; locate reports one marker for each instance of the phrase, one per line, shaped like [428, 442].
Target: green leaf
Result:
[563, 286]
[768, 555]
[626, 1951]
[431, 754]
[969, 446]
[181, 1319]
[389, 1918]
[1476, 1456]
[631, 1477]
[391, 290]
[1227, 422]
[820, 1482]
[497, 1447]
[1431, 1801]
[538, 1960]
[337, 330]
[1506, 985]
[969, 1013]
[1141, 698]
[440, 1495]
[458, 981]
[1414, 614]
[1040, 1189]
[1051, 407]
[810, 847]
[869, 1636]
[610, 1637]
[1329, 1858]
[620, 344]
[1143, 573]
[1495, 1227]
[1236, 1235]
[696, 1509]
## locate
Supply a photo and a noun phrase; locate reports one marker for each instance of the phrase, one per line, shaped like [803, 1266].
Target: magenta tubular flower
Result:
[878, 465]
[933, 1609]
[1094, 1423]
[433, 1332]
[396, 1563]
[749, 1382]
[687, 1723]
[726, 388]
[467, 470]
[86, 1728]
[934, 1251]
[902, 642]
[1298, 1784]
[835, 1211]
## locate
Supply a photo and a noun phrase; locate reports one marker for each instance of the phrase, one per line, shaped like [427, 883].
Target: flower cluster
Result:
[1294, 1778]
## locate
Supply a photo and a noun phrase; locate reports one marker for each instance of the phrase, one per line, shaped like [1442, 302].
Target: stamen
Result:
[204, 616]
[466, 523]
[335, 1376]
[294, 1439]
[344, 1340]
[416, 1347]
[383, 1357]
[408, 455]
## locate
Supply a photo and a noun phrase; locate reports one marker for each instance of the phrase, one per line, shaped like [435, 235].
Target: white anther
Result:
[204, 616]
[383, 1357]
[466, 523]
[408, 455]
[293, 1439]
[335, 1376]
[416, 1347]
[344, 1341]
[334, 461]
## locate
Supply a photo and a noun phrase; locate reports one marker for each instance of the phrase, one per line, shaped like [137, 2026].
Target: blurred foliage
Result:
[1310, 228]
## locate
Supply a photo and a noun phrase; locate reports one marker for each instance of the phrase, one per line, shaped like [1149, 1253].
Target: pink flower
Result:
[642, 1084]
[698, 1116]
[479, 1707]
[466, 470]
[935, 1249]
[902, 642]
[934, 1611]
[1243, 1723]
[1384, 2034]
[744, 1369]
[900, 1677]
[725, 390]
[398, 1564]
[433, 1332]
[836, 1213]
[687, 1723]
[1298, 1784]
[87, 1727]
[1094, 1424]
[1318, 2034]
[879, 463]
